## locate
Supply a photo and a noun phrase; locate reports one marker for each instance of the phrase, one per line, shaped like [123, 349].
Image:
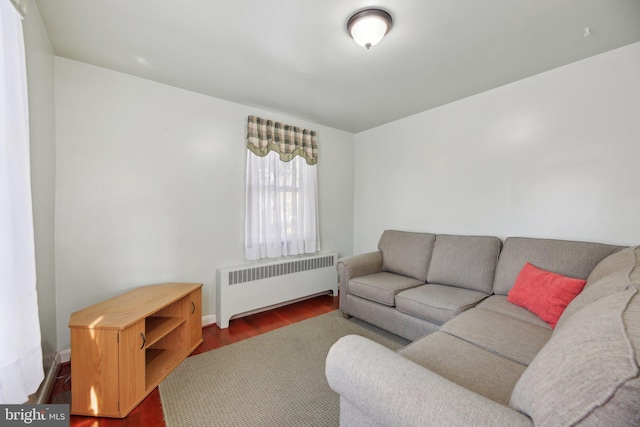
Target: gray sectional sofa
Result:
[477, 359]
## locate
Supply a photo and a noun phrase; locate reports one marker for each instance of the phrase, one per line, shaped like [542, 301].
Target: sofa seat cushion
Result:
[470, 366]
[504, 335]
[381, 287]
[588, 373]
[437, 303]
[499, 304]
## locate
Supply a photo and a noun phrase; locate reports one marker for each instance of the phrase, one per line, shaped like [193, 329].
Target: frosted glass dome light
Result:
[369, 26]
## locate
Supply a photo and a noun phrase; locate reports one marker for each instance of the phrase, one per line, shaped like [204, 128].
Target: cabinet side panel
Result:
[94, 372]
[195, 318]
[132, 366]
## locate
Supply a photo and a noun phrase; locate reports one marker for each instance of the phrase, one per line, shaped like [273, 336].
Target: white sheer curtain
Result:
[281, 207]
[21, 370]
[281, 191]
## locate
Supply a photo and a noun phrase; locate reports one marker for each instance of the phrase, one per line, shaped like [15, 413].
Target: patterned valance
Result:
[288, 141]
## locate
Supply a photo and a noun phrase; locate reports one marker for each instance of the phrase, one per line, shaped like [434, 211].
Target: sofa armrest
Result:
[356, 266]
[394, 391]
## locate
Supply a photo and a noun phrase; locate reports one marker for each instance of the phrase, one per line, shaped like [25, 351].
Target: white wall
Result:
[150, 178]
[555, 155]
[40, 80]
[150, 186]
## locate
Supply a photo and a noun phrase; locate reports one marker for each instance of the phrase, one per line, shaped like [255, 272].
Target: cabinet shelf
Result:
[158, 327]
[122, 348]
[160, 363]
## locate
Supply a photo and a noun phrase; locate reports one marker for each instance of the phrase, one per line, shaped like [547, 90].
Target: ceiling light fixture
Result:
[367, 27]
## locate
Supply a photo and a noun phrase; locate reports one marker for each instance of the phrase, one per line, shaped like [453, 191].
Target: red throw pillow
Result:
[544, 293]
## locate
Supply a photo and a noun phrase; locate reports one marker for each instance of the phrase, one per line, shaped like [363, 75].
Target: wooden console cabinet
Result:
[123, 347]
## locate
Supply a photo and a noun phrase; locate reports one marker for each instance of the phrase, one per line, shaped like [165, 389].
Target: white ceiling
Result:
[295, 57]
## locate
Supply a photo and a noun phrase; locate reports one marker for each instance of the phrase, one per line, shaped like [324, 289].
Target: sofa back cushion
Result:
[607, 277]
[618, 261]
[573, 259]
[588, 373]
[464, 261]
[406, 253]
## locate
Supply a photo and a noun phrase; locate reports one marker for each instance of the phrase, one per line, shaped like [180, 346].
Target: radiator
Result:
[247, 288]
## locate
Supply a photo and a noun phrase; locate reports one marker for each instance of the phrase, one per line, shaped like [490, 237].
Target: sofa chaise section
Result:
[511, 331]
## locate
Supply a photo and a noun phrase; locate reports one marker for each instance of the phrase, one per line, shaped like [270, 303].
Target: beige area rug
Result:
[273, 379]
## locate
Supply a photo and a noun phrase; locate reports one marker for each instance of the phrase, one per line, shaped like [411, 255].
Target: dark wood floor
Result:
[149, 412]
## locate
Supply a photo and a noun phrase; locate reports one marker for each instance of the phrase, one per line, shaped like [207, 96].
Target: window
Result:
[281, 190]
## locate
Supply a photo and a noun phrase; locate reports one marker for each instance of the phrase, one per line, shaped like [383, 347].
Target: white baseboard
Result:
[44, 392]
[208, 320]
[65, 355]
